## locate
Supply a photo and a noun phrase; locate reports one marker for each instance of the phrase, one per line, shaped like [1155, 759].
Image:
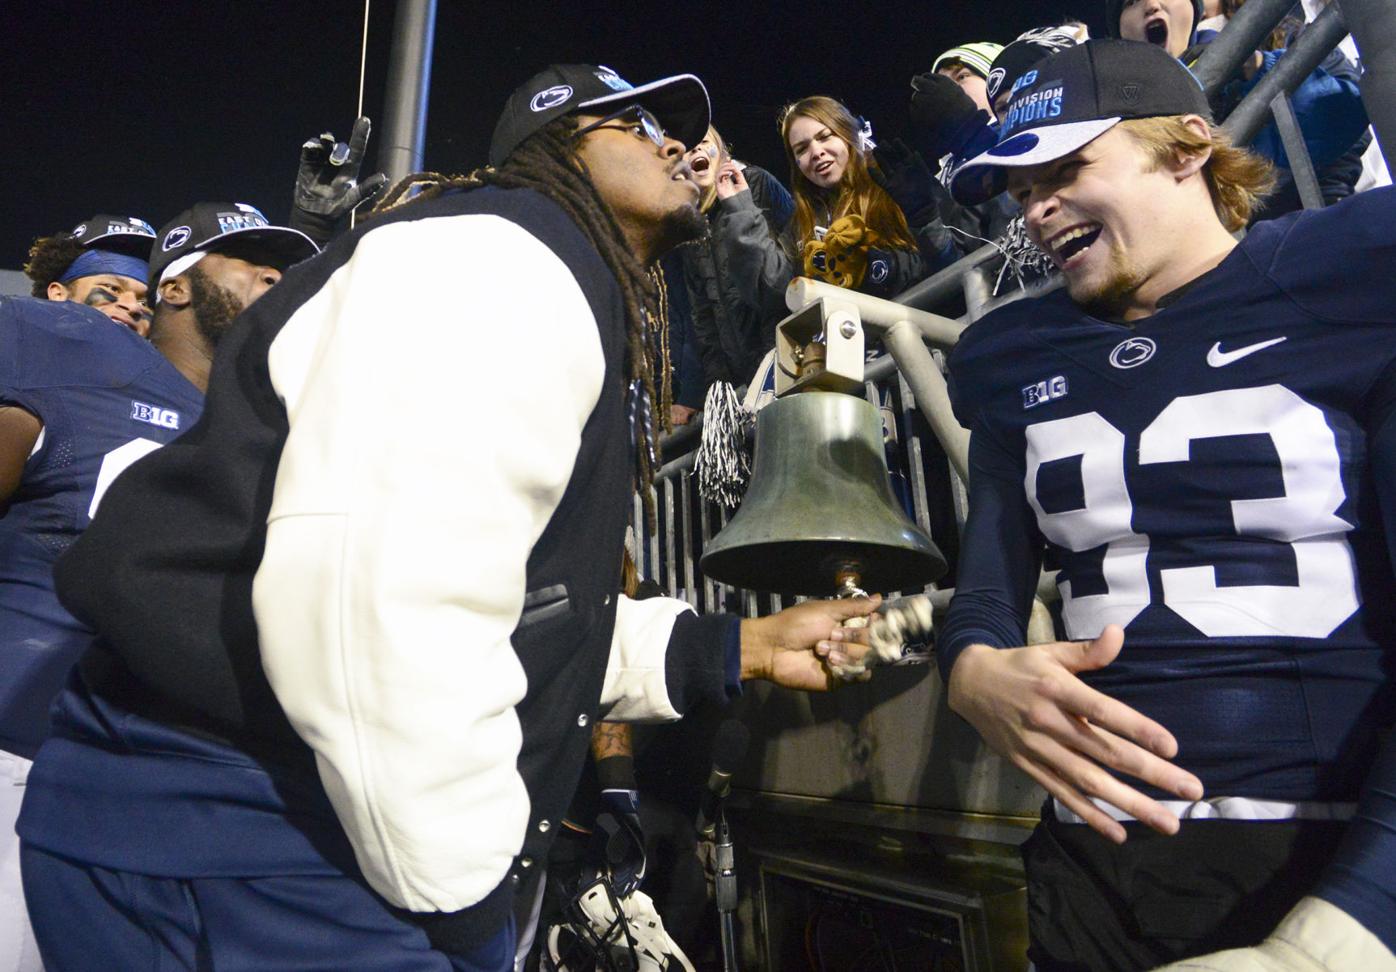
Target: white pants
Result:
[18, 950]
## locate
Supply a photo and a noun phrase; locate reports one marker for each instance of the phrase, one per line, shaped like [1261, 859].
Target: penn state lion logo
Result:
[994, 82]
[550, 97]
[1132, 352]
[175, 237]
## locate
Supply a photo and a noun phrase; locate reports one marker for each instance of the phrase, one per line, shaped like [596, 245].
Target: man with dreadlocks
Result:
[355, 625]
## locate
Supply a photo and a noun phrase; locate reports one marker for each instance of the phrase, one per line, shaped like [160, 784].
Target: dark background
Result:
[142, 108]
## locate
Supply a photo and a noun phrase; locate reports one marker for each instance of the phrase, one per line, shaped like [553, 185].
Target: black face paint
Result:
[98, 296]
[102, 294]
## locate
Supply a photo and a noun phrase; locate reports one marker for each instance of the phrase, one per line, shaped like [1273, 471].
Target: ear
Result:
[58, 291]
[1191, 164]
[175, 292]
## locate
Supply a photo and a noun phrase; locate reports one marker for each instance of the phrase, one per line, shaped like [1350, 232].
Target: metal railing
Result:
[933, 445]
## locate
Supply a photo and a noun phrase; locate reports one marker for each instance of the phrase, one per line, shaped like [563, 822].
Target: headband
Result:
[94, 262]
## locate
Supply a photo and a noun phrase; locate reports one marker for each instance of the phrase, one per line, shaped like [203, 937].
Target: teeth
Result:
[1070, 235]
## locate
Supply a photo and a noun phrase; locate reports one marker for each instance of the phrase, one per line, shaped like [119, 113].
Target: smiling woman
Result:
[846, 229]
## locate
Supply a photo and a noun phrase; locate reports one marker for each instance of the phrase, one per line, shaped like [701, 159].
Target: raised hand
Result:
[327, 185]
[730, 180]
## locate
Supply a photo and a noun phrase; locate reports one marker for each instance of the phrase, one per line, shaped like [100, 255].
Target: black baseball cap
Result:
[679, 102]
[1026, 50]
[120, 234]
[1074, 97]
[208, 226]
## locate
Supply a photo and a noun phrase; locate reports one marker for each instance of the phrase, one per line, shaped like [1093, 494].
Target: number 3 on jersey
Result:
[1304, 517]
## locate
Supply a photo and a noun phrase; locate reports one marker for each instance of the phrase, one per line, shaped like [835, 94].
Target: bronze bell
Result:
[820, 509]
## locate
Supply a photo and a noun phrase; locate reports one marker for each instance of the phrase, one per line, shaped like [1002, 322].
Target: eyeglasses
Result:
[636, 118]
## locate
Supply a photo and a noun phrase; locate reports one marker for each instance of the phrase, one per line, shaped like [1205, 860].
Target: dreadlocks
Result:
[547, 163]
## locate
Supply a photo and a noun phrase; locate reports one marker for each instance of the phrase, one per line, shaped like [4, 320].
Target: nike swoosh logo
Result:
[1218, 358]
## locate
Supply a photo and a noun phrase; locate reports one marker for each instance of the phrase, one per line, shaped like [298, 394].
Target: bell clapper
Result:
[846, 584]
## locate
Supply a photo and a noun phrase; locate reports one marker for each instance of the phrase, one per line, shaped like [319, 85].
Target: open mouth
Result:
[684, 173]
[1156, 32]
[823, 168]
[700, 163]
[1071, 243]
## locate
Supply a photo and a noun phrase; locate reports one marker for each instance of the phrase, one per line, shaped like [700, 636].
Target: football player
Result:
[79, 402]
[100, 263]
[355, 627]
[1201, 434]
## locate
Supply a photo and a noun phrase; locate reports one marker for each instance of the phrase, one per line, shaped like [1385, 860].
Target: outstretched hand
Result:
[327, 185]
[790, 648]
[1030, 707]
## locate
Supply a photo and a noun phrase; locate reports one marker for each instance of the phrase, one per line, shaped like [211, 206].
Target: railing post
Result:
[1297, 63]
[1301, 167]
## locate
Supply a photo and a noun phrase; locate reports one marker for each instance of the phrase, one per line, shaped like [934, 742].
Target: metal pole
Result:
[1238, 40]
[726, 890]
[1301, 167]
[1371, 24]
[922, 373]
[404, 132]
[1298, 62]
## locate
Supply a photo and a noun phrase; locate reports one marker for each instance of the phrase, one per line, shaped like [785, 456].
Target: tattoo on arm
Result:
[611, 739]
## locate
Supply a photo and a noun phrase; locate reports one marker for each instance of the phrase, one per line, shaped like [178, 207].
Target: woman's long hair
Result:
[857, 193]
[709, 197]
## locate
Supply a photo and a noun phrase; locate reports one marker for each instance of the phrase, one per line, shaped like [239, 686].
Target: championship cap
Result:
[1073, 97]
[978, 56]
[679, 102]
[209, 226]
[1026, 50]
[120, 234]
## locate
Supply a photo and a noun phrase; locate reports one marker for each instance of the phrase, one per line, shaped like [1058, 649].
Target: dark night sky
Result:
[142, 108]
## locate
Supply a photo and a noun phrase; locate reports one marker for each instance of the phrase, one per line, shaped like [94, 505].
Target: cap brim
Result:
[984, 177]
[679, 102]
[131, 244]
[291, 245]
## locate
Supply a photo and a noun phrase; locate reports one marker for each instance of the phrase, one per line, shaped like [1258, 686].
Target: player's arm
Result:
[1359, 880]
[19, 431]
[1027, 702]
[414, 481]
[665, 658]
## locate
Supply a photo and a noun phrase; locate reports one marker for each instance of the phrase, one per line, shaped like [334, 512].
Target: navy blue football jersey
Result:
[1204, 479]
[105, 398]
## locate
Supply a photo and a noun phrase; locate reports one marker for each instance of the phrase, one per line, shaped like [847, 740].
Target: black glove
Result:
[902, 172]
[939, 107]
[327, 186]
[621, 839]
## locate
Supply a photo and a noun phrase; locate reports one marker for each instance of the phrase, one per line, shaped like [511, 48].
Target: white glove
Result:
[1314, 937]
[907, 619]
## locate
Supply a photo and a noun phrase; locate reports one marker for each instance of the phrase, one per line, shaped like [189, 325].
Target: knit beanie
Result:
[976, 55]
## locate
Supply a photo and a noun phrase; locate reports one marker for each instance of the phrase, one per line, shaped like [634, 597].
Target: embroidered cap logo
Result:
[994, 82]
[550, 97]
[175, 237]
